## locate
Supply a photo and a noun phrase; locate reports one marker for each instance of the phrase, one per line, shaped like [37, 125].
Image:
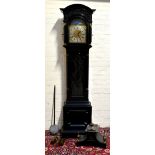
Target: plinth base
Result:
[76, 117]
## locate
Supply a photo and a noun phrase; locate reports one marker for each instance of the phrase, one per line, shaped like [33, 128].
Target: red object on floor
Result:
[70, 148]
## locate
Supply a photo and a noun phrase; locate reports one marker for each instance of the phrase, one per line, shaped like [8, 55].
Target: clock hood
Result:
[77, 11]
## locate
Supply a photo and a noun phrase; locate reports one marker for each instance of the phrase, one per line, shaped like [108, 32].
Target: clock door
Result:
[77, 71]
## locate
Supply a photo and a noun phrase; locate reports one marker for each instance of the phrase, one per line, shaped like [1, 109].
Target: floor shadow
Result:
[61, 63]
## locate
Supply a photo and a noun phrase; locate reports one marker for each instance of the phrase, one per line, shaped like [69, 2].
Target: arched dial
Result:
[77, 33]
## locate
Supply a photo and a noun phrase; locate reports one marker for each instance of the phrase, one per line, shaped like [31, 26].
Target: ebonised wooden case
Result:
[77, 110]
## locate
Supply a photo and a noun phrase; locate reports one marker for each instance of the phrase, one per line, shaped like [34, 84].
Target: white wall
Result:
[99, 90]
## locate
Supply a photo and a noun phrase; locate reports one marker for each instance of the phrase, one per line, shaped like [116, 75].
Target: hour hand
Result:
[79, 35]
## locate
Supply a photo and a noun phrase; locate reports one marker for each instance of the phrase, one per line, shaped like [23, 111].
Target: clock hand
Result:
[79, 35]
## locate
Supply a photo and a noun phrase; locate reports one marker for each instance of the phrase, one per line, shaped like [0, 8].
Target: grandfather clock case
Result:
[77, 110]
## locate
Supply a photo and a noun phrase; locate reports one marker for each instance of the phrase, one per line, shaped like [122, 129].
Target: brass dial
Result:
[77, 34]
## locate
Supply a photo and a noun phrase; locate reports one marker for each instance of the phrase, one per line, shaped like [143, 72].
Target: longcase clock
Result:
[77, 110]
